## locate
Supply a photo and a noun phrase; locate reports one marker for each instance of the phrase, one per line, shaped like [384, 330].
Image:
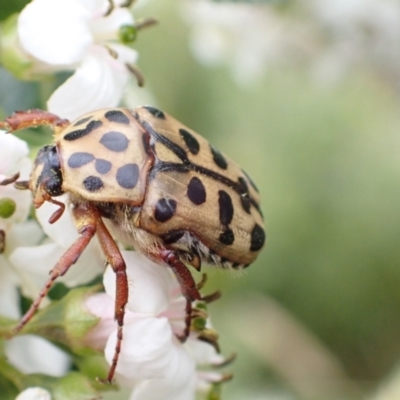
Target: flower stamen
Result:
[2, 240]
[134, 70]
[9, 180]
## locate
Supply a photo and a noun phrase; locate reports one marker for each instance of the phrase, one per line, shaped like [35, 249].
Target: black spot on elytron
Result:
[172, 237]
[82, 121]
[155, 112]
[77, 160]
[257, 238]
[243, 188]
[227, 237]
[246, 202]
[165, 209]
[225, 207]
[190, 141]
[218, 158]
[102, 166]
[93, 183]
[128, 175]
[250, 180]
[91, 126]
[115, 141]
[117, 116]
[196, 191]
[244, 195]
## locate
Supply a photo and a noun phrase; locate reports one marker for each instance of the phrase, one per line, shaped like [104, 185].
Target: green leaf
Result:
[215, 392]
[6, 326]
[74, 386]
[11, 54]
[66, 322]
[94, 367]
[8, 7]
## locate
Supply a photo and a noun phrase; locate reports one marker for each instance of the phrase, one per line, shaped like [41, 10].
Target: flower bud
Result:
[7, 207]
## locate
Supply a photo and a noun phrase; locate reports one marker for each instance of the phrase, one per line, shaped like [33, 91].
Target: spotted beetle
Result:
[141, 177]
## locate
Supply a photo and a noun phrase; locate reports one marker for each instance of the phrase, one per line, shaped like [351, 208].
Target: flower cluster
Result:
[153, 361]
[88, 41]
[92, 43]
[329, 36]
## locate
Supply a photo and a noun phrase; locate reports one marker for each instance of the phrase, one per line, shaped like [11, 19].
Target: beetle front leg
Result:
[32, 118]
[115, 259]
[86, 231]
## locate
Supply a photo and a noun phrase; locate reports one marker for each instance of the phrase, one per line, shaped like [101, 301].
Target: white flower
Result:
[15, 231]
[13, 158]
[363, 32]
[32, 354]
[77, 35]
[246, 37]
[152, 359]
[23, 234]
[35, 262]
[34, 393]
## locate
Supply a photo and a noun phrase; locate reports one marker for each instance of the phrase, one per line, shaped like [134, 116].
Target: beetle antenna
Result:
[21, 185]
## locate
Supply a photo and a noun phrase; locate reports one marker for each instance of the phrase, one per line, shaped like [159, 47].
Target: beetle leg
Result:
[185, 278]
[187, 284]
[115, 259]
[26, 119]
[86, 231]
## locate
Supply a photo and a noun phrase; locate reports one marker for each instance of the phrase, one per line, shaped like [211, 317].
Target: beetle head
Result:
[46, 177]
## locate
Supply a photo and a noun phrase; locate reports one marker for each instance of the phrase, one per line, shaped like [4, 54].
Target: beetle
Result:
[141, 177]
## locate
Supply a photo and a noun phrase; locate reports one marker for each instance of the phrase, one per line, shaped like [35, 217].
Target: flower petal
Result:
[23, 201]
[103, 306]
[63, 231]
[9, 294]
[178, 383]
[107, 28]
[55, 32]
[34, 393]
[147, 349]
[13, 158]
[34, 263]
[12, 151]
[33, 354]
[99, 82]
[149, 284]
[203, 353]
[25, 234]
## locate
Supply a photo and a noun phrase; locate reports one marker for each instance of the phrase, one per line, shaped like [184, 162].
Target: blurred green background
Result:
[318, 315]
